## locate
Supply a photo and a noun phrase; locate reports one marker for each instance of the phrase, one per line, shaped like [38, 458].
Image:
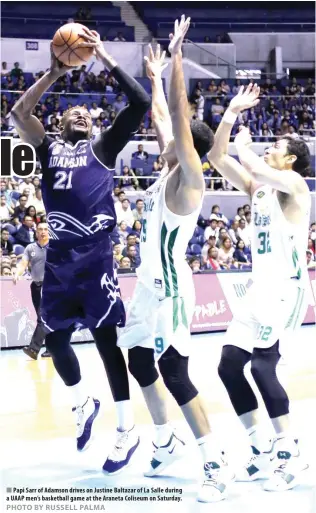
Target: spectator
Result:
[312, 231]
[124, 213]
[311, 247]
[217, 182]
[38, 202]
[6, 245]
[195, 265]
[27, 183]
[217, 108]
[212, 259]
[131, 253]
[240, 256]
[16, 72]
[243, 232]
[122, 232]
[19, 211]
[213, 228]
[309, 260]
[117, 253]
[140, 153]
[128, 181]
[137, 228]
[210, 243]
[96, 129]
[138, 212]
[240, 214]
[225, 253]
[6, 211]
[95, 111]
[233, 232]
[119, 103]
[118, 195]
[5, 270]
[222, 235]
[36, 182]
[217, 212]
[125, 263]
[31, 212]
[130, 241]
[119, 38]
[26, 233]
[4, 69]
[197, 99]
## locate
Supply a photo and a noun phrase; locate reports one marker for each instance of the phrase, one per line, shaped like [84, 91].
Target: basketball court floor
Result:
[38, 446]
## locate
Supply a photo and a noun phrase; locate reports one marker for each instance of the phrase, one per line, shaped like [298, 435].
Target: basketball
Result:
[65, 45]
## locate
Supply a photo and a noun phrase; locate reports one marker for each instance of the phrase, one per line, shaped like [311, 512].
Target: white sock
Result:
[257, 438]
[163, 433]
[125, 416]
[209, 451]
[79, 394]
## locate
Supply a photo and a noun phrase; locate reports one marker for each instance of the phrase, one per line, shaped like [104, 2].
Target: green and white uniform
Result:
[163, 303]
[277, 301]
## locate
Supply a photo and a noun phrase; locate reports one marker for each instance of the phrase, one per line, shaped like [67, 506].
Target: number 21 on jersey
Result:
[63, 180]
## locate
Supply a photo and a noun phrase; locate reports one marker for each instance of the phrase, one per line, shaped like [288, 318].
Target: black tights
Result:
[67, 365]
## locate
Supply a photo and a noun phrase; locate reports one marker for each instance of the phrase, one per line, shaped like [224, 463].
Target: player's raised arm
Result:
[289, 183]
[29, 128]
[187, 156]
[160, 112]
[110, 143]
[229, 167]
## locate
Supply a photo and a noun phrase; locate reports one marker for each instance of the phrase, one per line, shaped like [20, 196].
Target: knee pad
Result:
[232, 363]
[141, 364]
[174, 370]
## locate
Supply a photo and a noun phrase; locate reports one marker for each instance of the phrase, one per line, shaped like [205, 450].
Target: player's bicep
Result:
[30, 129]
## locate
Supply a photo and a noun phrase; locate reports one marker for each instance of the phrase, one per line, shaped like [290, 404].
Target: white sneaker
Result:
[86, 415]
[217, 476]
[288, 472]
[165, 455]
[124, 448]
[258, 467]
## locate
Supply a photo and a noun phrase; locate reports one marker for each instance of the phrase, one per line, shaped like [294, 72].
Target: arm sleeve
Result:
[109, 144]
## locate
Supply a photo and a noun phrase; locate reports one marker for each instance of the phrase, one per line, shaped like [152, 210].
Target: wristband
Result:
[229, 117]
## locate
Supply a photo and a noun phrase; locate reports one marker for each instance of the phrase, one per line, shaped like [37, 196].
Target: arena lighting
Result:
[248, 73]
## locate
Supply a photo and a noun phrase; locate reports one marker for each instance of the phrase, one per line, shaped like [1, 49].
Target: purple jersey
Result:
[77, 190]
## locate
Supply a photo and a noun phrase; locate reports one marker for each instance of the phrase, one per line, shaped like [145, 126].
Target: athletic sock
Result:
[79, 394]
[209, 450]
[257, 438]
[163, 434]
[125, 416]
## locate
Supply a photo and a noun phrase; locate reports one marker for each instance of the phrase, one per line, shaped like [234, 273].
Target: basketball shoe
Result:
[259, 465]
[289, 467]
[165, 455]
[124, 448]
[217, 477]
[86, 415]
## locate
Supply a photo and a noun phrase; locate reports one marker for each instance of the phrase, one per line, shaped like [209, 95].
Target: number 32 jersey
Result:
[278, 247]
[77, 190]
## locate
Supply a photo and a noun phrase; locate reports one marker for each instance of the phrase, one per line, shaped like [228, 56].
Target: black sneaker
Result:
[46, 354]
[30, 352]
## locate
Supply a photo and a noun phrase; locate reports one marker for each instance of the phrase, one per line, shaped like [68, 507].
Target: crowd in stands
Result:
[218, 243]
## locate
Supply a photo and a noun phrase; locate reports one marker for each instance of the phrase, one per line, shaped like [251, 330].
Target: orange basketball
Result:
[65, 45]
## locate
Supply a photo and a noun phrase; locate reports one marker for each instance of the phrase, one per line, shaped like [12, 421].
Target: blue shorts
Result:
[80, 286]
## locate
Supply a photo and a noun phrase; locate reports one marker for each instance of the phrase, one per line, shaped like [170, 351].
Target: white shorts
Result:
[264, 317]
[158, 324]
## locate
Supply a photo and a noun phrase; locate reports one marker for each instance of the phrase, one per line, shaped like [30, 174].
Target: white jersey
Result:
[163, 243]
[278, 246]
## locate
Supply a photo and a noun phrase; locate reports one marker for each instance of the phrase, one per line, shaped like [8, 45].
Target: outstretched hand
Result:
[245, 99]
[243, 137]
[180, 30]
[57, 68]
[155, 63]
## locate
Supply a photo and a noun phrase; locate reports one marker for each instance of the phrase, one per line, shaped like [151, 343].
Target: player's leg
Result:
[67, 366]
[38, 336]
[174, 370]
[114, 363]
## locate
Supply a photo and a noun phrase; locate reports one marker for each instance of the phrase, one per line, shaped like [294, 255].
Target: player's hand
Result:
[245, 99]
[93, 40]
[15, 278]
[180, 30]
[57, 68]
[155, 63]
[243, 138]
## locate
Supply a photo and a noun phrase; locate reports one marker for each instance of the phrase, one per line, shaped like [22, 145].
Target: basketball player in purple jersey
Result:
[80, 286]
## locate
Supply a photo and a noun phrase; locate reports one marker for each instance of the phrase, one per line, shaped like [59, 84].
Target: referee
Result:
[34, 257]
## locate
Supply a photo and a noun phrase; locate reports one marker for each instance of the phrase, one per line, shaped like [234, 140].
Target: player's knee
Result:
[141, 364]
[174, 371]
[262, 369]
[232, 363]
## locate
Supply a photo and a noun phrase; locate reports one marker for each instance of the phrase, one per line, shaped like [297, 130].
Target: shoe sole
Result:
[105, 472]
[90, 423]
[296, 482]
[161, 468]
